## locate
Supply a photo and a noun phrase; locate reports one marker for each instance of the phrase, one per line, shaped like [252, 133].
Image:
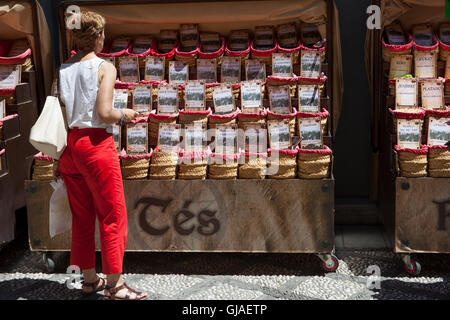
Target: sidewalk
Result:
[244, 276]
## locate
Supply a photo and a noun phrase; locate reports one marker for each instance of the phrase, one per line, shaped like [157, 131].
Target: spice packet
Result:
[223, 99]
[137, 138]
[169, 137]
[432, 94]
[438, 131]
[230, 70]
[195, 98]
[310, 34]
[142, 99]
[309, 98]
[310, 64]
[425, 64]
[264, 37]
[167, 99]
[400, 65]
[238, 40]
[280, 99]
[142, 44]
[282, 65]
[251, 96]
[189, 36]
[287, 35]
[155, 68]
[255, 69]
[409, 133]
[406, 93]
[207, 70]
[10, 75]
[394, 34]
[178, 72]
[120, 100]
[226, 139]
[310, 132]
[210, 41]
[255, 137]
[423, 35]
[129, 69]
[167, 40]
[279, 134]
[195, 137]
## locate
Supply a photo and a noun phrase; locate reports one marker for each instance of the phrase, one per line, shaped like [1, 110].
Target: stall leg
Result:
[330, 262]
[48, 261]
[411, 266]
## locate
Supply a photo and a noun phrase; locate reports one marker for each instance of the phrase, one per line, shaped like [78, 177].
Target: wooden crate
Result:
[294, 216]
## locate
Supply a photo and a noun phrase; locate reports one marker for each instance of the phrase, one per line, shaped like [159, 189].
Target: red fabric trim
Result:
[193, 155]
[440, 147]
[124, 85]
[192, 53]
[408, 115]
[105, 51]
[42, 157]
[154, 83]
[312, 49]
[287, 152]
[139, 120]
[399, 48]
[156, 151]
[252, 154]
[5, 46]
[263, 53]
[290, 50]
[12, 116]
[422, 150]
[261, 114]
[154, 115]
[323, 114]
[7, 91]
[231, 53]
[292, 79]
[283, 116]
[168, 55]
[129, 51]
[212, 55]
[123, 155]
[204, 112]
[438, 113]
[230, 157]
[321, 79]
[225, 116]
[2, 152]
[433, 47]
[443, 46]
[325, 150]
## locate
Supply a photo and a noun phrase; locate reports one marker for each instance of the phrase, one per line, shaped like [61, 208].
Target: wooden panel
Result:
[11, 128]
[210, 215]
[422, 217]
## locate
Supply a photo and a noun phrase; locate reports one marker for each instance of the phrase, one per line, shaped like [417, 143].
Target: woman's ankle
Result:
[114, 280]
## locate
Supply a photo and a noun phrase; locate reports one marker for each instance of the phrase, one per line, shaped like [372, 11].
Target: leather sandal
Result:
[94, 286]
[110, 293]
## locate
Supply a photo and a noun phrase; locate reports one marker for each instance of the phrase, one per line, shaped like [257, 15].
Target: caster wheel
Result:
[331, 266]
[49, 264]
[414, 268]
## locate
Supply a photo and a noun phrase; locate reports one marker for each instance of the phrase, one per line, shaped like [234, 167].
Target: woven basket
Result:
[163, 166]
[323, 120]
[252, 118]
[314, 164]
[135, 167]
[24, 59]
[439, 162]
[444, 51]
[419, 115]
[188, 57]
[322, 52]
[309, 81]
[222, 119]
[243, 55]
[434, 114]
[153, 125]
[169, 56]
[254, 166]
[389, 50]
[287, 164]
[412, 163]
[279, 81]
[193, 165]
[189, 117]
[434, 47]
[265, 55]
[291, 117]
[213, 55]
[295, 52]
[42, 168]
[223, 167]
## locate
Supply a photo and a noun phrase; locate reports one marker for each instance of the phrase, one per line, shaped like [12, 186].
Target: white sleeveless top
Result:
[78, 87]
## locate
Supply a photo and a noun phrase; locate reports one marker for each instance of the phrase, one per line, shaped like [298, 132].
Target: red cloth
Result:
[91, 171]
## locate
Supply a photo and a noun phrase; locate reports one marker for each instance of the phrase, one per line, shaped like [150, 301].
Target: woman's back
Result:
[78, 88]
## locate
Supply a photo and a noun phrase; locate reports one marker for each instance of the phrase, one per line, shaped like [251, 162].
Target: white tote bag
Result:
[49, 133]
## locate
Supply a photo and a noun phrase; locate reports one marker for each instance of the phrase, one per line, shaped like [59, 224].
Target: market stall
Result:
[407, 63]
[219, 74]
[25, 52]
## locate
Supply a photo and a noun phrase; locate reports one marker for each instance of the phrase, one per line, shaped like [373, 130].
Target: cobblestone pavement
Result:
[234, 276]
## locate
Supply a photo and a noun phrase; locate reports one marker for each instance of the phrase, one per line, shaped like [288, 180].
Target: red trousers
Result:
[90, 169]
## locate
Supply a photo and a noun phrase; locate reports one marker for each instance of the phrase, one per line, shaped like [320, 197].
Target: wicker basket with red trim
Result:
[314, 81]
[223, 166]
[42, 167]
[290, 116]
[105, 53]
[314, 163]
[265, 55]
[294, 51]
[444, 51]
[155, 87]
[434, 47]
[254, 118]
[243, 55]
[163, 165]
[281, 81]
[283, 163]
[412, 162]
[214, 55]
[135, 167]
[141, 56]
[169, 56]
[25, 59]
[419, 115]
[434, 114]
[389, 49]
[189, 117]
[321, 50]
[187, 56]
[438, 162]
[323, 119]
[193, 165]
[154, 120]
[215, 119]
[252, 166]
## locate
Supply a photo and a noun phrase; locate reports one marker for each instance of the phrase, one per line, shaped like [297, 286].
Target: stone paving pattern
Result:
[223, 276]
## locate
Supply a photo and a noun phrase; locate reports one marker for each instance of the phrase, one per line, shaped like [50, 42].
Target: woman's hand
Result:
[130, 114]
[56, 173]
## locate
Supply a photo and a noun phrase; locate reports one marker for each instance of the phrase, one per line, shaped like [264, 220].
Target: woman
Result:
[89, 165]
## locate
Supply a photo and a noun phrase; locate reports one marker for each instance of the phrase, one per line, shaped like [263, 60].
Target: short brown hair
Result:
[91, 25]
